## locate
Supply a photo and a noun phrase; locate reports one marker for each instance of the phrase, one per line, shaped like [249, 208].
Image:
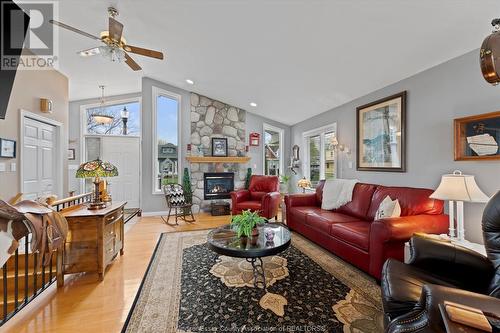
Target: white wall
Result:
[435, 97]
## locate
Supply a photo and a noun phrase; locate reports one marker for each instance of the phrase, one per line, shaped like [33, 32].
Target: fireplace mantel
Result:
[216, 159]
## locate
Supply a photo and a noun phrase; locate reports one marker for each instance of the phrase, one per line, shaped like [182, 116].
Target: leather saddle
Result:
[48, 227]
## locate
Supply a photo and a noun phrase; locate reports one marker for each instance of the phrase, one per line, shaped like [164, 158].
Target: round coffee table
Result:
[225, 241]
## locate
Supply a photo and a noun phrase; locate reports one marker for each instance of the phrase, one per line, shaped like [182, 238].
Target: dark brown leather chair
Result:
[440, 271]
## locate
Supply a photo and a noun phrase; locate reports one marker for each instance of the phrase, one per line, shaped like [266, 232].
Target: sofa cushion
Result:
[330, 216]
[361, 198]
[299, 213]
[257, 196]
[356, 233]
[319, 192]
[413, 201]
[322, 220]
[253, 205]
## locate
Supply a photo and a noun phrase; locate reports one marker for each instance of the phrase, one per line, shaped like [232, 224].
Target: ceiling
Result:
[294, 58]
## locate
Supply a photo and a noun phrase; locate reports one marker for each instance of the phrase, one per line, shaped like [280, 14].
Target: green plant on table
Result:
[246, 221]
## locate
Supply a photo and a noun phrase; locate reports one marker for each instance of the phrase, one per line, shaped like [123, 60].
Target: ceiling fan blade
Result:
[143, 52]
[89, 52]
[131, 63]
[115, 29]
[78, 31]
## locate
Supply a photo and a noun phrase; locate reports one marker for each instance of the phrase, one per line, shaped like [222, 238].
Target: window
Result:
[273, 150]
[118, 126]
[166, 113]
[319, 155]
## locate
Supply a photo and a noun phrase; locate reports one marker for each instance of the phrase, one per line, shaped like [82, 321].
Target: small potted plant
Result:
[284, 179]
[246, 223]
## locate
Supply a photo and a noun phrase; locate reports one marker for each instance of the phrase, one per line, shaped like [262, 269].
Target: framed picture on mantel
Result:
[381, 135]
[477, 137]
[219, 147]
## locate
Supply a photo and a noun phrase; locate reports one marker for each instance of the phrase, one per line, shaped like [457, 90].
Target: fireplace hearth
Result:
[218, 185]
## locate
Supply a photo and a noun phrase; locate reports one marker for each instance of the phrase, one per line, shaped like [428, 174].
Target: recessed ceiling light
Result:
[253, 104]
[189, 81]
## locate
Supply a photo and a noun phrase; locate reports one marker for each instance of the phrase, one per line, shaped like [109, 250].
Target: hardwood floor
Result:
[87, 305]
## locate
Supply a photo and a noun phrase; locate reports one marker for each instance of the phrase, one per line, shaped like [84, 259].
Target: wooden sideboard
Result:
[94, 239]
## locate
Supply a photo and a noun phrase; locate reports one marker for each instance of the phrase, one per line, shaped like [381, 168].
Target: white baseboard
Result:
[161, 213]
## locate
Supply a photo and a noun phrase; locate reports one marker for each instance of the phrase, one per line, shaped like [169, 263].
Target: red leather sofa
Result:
[262, 195]
[351, 233]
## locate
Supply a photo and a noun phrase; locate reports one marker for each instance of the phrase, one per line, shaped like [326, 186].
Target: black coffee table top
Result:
[225, 241]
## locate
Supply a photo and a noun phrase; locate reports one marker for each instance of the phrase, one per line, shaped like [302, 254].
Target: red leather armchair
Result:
[262, 195]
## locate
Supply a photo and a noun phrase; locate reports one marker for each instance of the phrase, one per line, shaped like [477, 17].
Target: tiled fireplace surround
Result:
[211, 118]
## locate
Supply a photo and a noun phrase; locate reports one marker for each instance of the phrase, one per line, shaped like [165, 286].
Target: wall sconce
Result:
[343, 148]
[45, 105]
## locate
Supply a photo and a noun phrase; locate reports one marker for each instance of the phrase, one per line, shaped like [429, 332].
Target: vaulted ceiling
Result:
[294, 58]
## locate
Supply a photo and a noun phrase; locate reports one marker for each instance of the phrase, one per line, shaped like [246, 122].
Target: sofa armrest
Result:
[240, 195]
[427, 317]
[460, 266]
[304, 199]
[387, 236]
[402, 228]
[270, 204]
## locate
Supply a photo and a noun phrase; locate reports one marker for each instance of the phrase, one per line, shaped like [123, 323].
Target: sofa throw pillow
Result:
[388, 208]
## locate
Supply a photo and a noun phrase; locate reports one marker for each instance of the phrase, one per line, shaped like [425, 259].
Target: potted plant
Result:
[246, 223]
[284, 179]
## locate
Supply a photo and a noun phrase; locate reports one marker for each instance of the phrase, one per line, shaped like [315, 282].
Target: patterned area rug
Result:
[189, 288]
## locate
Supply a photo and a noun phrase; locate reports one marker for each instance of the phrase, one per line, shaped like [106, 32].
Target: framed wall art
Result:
[219, 147]
[477, 137]
[381, 135]
[7, 148]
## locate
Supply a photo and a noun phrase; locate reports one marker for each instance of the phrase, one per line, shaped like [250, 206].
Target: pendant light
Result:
[100, 116]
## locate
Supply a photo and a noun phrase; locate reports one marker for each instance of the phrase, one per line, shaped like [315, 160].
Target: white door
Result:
[124, 153]
[39, 159]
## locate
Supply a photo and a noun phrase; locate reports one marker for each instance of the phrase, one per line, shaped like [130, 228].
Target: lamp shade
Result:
[96, 168]
[303, 183]
[459, 187]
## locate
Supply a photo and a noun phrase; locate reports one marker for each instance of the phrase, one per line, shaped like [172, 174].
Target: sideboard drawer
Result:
[113, 217]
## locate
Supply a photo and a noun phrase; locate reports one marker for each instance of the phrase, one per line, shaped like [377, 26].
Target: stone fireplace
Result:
[211, 118]
[218, 185]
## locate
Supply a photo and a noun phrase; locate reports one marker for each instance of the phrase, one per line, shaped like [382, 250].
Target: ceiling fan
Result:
[115, 46]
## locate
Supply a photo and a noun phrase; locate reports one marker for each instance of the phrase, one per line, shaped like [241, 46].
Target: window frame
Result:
[281, 133]
[321, 131]
[111, 102]
[157, 92]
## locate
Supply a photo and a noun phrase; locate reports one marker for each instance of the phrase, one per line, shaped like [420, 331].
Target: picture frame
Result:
[219, 147]
[477, 137]
[381, 134]
[7, 148]
[71, 154]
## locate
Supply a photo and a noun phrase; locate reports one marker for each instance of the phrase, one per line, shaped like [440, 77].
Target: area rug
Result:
[189, 288]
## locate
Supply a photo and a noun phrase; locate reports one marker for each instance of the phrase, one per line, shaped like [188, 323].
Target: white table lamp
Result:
[458, 187]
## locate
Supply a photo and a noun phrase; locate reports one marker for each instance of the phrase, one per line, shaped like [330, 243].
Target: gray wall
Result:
[155, 202]
[256, 123]
[435, 97]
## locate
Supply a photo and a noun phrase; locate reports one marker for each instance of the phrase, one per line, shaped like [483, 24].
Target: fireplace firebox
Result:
[218, 185]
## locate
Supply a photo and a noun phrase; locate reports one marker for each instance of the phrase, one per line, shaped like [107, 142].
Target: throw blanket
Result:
[337, 192]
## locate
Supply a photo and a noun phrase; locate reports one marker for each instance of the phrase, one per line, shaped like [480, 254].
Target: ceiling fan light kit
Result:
[115, 46]
[489, 55]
